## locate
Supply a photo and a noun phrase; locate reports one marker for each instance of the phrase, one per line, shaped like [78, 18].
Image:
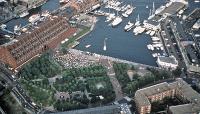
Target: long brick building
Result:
[47, 35]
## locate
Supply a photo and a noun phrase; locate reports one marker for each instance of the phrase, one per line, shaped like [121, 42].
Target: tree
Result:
[177, 72]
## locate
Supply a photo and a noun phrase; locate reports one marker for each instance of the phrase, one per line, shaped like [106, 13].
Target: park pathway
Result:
[111, 74]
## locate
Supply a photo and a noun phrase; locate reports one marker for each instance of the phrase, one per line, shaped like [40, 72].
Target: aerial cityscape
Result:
[99, 56]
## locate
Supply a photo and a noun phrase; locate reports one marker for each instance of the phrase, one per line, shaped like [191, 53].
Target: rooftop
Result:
[141, 96]
[173, 8]
[112, 109]
[184, 109]
[170, 59]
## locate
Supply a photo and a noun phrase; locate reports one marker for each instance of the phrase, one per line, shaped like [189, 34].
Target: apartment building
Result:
[144, 97]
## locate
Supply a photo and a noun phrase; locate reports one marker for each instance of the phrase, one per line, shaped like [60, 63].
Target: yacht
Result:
[87, 46]
[147, 6]
[63, 1]
[117, 21]
[197, 1]
[3, 26]
[24, 14]
[148, 32]
[34, 18]
[150, 47]
[197, 35]
[124, 15]
[45, 14]
[7, 36]
[126, 8]
[130, 10]
[152, 33]
[17, 28]
[138, 30]
[160, 9]
[155, 54]
[110, 17]
[129, 26]
[155, 38]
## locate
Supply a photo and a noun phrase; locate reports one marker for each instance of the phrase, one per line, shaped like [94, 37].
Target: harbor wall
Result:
[116, 59]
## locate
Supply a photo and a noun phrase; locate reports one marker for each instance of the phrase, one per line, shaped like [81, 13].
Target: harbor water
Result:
[120, 44]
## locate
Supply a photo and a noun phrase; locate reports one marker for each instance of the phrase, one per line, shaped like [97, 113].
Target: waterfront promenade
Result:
[113, 59]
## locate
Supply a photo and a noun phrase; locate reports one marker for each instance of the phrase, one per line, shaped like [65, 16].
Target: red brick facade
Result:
[49, 34]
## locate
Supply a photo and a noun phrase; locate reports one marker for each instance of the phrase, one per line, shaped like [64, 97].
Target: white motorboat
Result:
[197, 35]
[124, 15]
[7, 36]
[45, 14]
[129, 26]
[148, 32]
[155, 38]
[130, 10]
[17, 28]
[34, 18]
[150, 47]
[63, 1]
[117, 21]
[24, 14]
[152, 33]
[110, 17]
[87, 46]
[3, 26]
[138, 30]
[160, 9]
[155, 54]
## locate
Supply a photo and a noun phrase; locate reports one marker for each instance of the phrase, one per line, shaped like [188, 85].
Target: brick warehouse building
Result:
[26, 46]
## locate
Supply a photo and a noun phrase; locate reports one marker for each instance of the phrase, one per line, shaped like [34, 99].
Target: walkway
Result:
[111, 74]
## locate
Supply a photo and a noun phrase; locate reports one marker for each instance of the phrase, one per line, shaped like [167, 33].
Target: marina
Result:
[124, 45]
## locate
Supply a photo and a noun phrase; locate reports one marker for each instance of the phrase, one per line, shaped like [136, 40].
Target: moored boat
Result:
[117, 21]
[129, 26]
[24, 14]
[63, 1]
[138, 30]
[137, 23]
[87, 46]
[34, 18]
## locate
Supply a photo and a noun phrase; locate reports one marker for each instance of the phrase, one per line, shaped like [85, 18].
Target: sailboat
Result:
[150, 15]
[104, 47]
[137, 23]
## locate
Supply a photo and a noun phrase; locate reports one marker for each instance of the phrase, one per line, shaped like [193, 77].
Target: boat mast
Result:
[150, 13]
[138, 17]
[153, 10]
